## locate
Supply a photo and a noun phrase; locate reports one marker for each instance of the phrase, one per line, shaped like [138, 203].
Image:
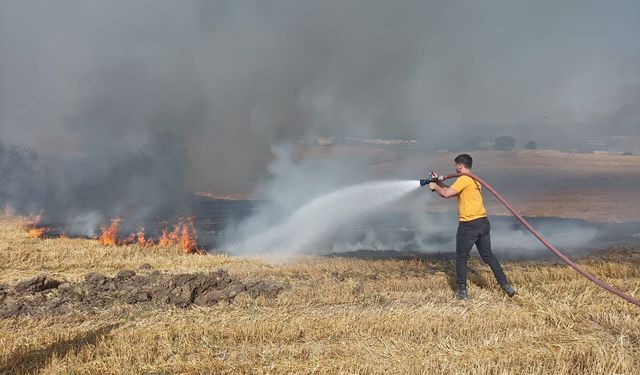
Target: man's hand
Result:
[439, 187]
[434, 174]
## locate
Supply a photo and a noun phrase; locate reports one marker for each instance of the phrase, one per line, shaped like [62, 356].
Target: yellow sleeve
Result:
[461, 183]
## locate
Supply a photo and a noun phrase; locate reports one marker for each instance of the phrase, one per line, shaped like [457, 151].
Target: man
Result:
[473, 228]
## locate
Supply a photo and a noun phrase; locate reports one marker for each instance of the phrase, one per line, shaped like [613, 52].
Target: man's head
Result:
[463, 162]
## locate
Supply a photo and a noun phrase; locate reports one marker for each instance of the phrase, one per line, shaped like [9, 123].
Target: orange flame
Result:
[38, 232]
[31, 225]
[142, 241]
[168, 238]
[130, 239]
[109, 236]
[184, 234]
[188, 236]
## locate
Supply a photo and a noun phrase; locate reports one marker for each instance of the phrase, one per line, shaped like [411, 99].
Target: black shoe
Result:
[461, 294]
[508, 289]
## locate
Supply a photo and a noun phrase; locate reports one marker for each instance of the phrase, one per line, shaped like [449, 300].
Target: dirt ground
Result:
[44, 295]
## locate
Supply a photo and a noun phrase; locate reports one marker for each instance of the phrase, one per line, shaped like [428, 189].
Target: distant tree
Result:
[504, 143]
[531, 145]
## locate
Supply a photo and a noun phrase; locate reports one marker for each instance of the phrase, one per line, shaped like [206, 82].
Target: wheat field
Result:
[335, 316]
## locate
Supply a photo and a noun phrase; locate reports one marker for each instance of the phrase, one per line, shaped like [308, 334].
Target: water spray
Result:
[310, 226]
[533, 231]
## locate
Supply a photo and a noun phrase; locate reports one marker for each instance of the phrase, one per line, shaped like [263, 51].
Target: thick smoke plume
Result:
[132, 104]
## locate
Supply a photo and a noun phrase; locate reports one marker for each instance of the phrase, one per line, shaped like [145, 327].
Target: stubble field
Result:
[311, 315]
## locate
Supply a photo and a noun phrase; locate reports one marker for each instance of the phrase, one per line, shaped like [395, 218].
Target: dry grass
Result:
[338, 316]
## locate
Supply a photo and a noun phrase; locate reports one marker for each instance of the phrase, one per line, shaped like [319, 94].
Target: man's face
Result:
[459, 168]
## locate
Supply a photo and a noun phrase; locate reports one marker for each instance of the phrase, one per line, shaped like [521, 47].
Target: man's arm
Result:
[443, 191]
[441, 188]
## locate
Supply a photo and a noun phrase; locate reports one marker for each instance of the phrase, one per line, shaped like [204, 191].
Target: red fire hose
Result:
[562, 257]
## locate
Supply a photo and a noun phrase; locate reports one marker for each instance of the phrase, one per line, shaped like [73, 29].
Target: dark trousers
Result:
[475, 232]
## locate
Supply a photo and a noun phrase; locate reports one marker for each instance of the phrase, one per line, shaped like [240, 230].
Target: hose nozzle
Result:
[426, 181]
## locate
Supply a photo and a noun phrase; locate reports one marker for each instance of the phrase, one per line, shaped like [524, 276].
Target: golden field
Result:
[337, 315]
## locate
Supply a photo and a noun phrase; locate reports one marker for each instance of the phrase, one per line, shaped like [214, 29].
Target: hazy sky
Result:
[94, 79]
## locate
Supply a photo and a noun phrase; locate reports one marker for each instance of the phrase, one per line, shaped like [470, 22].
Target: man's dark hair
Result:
[464, 159]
